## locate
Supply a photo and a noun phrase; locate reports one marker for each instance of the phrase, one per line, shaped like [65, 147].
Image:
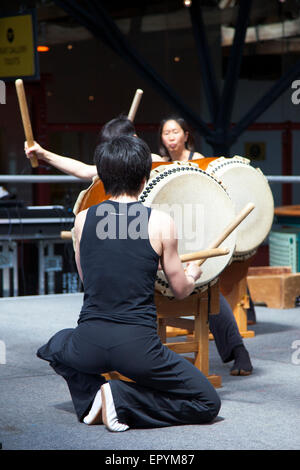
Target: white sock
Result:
[110, 418]
[94, 416]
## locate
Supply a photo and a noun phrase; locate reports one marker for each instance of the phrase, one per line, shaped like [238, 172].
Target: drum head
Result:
[201, 209]
[246, 184]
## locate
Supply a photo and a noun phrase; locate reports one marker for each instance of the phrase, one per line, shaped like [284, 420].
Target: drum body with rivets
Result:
[201, 209]
[244, 184]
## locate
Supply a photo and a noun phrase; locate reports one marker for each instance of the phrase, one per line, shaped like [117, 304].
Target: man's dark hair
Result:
[117, 126]
[122, 164]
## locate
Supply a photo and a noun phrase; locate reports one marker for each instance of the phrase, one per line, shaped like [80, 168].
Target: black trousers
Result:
[167, 390]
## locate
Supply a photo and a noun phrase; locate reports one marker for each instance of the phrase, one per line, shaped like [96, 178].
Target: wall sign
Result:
[18, 54]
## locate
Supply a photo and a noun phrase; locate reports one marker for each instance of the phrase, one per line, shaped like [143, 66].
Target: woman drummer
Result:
[176, 143]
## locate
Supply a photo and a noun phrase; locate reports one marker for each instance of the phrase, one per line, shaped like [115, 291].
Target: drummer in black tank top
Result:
[118, 245]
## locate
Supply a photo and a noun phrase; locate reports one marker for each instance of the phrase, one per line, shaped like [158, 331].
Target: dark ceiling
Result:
[262, 12]
[283, 15]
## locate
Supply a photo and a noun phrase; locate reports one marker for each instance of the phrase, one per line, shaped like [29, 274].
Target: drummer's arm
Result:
[65, 164]
[69, 165]
[78, 227]
[182, 282]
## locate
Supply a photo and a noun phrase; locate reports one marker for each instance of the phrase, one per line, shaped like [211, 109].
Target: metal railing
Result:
[40, 179]
[74, 179]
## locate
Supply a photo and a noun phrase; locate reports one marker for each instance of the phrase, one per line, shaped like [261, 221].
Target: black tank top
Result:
[118, 264]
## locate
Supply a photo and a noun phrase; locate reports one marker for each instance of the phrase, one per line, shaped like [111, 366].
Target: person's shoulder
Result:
[197, 155]
[157, 158]
[80, 218]
[162, 219]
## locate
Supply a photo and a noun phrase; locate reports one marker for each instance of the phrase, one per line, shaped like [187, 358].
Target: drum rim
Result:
[216, 168]
[175, 168]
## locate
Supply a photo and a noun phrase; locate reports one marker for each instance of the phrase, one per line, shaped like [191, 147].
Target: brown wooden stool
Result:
[275, 286]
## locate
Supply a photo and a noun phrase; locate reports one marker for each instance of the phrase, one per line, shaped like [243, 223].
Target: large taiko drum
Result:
[201, 209]
[244, 184]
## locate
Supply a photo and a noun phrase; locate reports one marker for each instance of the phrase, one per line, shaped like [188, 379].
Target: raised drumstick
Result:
[204, 254]
[25, 119]
[135, 104]
[233, 225]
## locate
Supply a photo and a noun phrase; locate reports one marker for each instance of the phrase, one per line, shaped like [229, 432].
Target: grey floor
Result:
[258, 412]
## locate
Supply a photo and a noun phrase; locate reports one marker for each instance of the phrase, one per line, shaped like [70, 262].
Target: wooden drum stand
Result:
[198, 305]
[233, 286]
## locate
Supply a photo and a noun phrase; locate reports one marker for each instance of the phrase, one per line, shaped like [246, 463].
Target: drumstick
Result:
[25, 118]
[135, 104]
[67, 235]
[204, 254]
[238, 219]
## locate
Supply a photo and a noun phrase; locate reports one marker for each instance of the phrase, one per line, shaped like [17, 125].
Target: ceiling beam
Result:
[266, 32]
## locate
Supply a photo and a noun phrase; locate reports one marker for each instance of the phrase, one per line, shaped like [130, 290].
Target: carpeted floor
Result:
[258, 412]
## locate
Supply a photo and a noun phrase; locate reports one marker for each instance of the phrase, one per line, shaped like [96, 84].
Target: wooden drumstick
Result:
[233, 225]
[135, 104]
[209, 253]
[26, 119]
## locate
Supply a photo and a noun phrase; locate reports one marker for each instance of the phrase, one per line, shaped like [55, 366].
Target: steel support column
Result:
[208, 76]
[267, 100]
[233, 69]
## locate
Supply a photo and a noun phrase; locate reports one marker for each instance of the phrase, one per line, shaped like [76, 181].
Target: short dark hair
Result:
[120, 125]
[190, 143]
[122, 164]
